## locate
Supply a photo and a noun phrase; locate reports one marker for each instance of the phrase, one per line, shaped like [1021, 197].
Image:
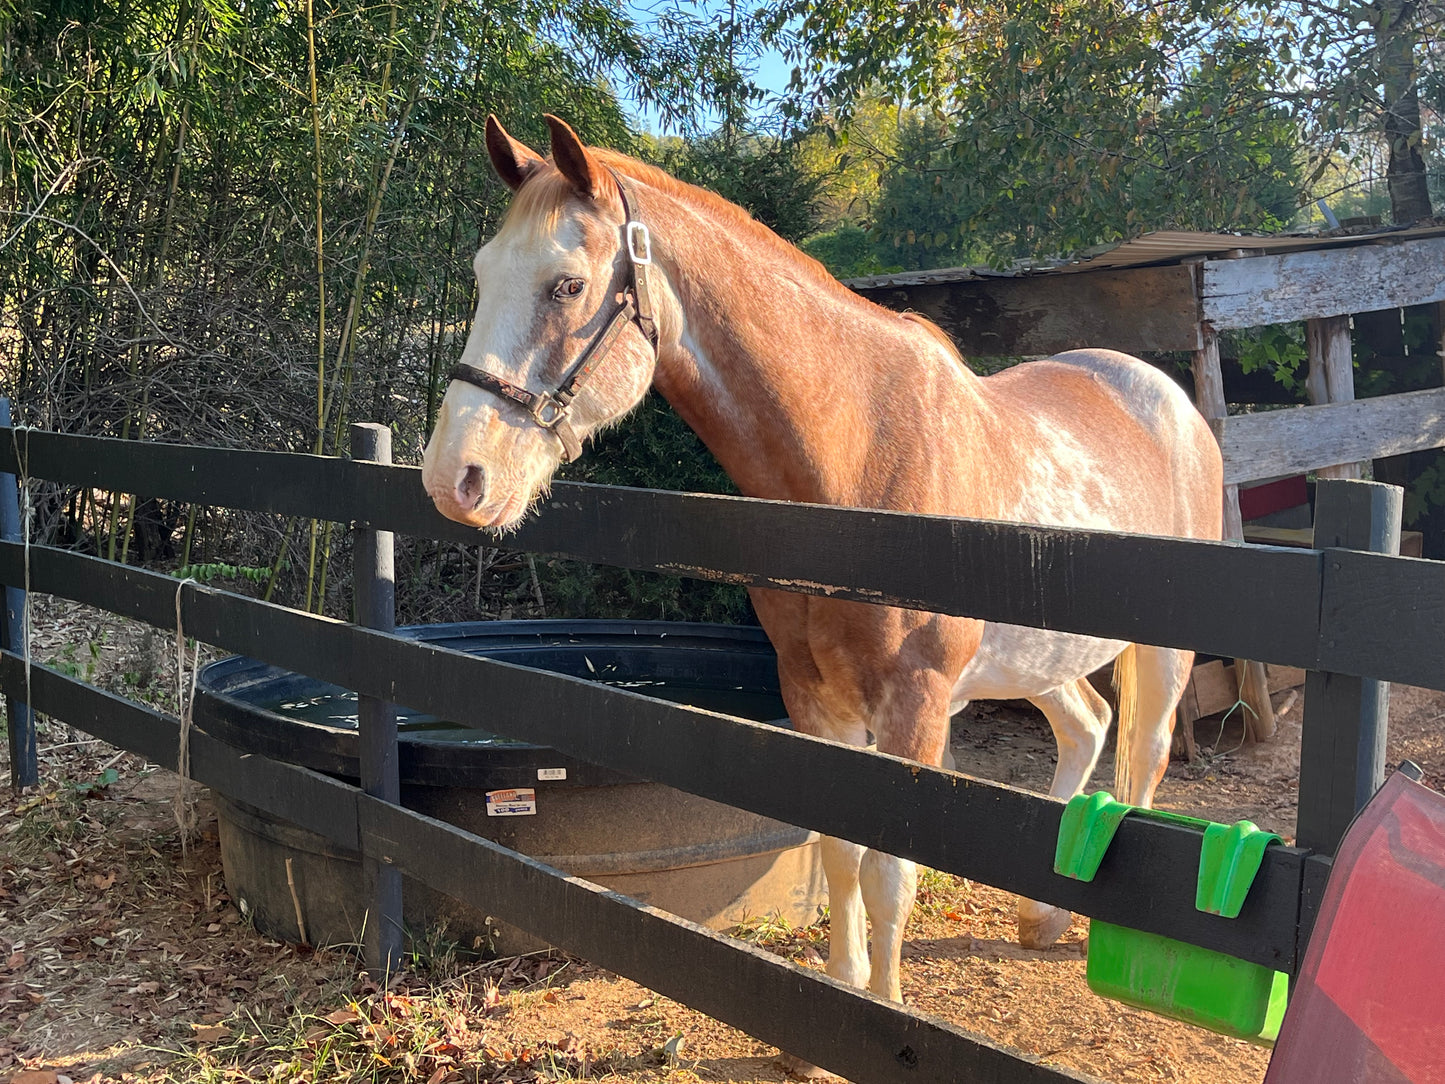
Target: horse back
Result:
[1101, 439]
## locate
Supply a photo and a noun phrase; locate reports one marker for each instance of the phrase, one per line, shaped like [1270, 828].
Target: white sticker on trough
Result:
[520, 802]
[551, 773]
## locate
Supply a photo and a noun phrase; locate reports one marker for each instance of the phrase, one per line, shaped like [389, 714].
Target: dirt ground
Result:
[122, 958]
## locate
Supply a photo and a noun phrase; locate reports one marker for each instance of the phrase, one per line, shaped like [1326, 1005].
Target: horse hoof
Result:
[800, 1069]
[1042, 932]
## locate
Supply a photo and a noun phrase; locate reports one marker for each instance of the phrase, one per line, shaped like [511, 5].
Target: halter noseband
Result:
[549, 409]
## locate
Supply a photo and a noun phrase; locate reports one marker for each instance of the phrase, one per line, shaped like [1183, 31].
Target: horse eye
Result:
[568, 289]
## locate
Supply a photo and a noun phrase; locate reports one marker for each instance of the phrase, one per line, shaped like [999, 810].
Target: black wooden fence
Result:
[1353, 618]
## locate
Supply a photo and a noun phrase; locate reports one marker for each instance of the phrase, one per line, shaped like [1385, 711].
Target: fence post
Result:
[374, 577]
[1342, 751]
[20, 722]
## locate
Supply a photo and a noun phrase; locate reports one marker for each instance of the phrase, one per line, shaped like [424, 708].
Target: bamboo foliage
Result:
[248, 225]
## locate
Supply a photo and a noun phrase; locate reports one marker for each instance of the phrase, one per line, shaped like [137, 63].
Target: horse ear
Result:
[513, 161]
[573, 159]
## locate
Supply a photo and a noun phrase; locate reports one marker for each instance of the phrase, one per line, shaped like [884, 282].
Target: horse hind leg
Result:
[1079, 718]
[889, 886]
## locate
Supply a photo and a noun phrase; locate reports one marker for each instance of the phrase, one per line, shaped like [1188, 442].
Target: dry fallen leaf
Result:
[550, 997]
[342, 1016]
[15, 961]
[105, 882]
[210, 1033]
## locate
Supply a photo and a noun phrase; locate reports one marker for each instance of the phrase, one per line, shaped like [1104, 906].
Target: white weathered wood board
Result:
[1299, 439]
[1331, 376]
[1257, 290]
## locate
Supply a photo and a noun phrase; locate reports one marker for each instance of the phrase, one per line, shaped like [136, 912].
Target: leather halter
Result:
[549, 408]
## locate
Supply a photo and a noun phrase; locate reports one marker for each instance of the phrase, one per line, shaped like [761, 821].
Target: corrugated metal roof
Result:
[1160, 247]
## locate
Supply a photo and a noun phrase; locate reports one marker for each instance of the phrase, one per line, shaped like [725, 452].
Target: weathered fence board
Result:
[1299, 439]
[309, 799]
[800, 1010]
[1325, 609]
[880, 801]
[1272, 609]
[1383, 617]
[1149, 590]
[1277, 289]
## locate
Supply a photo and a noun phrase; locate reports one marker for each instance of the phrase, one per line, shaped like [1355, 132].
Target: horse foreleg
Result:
[1079, 718]
[847, 922]
[913, 722]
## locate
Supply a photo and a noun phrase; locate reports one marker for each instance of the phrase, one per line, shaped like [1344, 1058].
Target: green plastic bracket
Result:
[1088, 826]
[1229, 859]
[1160, 974]
[1085, 832]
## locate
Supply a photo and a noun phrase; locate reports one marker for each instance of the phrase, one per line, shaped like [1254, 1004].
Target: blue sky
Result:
[773, 72]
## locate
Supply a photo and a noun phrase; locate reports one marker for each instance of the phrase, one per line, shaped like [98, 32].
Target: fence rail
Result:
[1304, 438]
[800, 1010]
[895, 805]
[1351, 618]
[1255, 602]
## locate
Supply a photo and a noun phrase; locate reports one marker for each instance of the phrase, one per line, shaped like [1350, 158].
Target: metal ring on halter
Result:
[548, 412]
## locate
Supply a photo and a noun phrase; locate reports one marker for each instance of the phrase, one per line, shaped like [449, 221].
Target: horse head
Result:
[564, 340]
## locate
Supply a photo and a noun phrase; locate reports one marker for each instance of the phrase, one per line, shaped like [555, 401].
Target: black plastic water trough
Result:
[707, 862]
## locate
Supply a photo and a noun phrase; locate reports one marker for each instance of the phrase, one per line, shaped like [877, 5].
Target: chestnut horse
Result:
[609, 276]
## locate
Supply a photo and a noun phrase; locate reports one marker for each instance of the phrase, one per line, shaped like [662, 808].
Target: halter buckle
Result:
[548, 412]
[639, 243]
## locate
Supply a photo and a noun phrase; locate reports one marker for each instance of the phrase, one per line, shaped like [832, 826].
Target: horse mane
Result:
[540, 200]
[937, 333]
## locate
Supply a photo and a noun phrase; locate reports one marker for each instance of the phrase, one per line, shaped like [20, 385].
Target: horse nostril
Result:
[472, 488]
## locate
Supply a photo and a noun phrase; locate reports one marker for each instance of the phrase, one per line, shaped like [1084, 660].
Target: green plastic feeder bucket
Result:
[1149, 971]
[1186, 982]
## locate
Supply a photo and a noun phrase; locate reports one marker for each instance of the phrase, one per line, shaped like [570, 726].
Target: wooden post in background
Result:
[1253, 682]
[1209, 398]
[374, 577]
[19, 720]
[1342, 754]
[1331, 377]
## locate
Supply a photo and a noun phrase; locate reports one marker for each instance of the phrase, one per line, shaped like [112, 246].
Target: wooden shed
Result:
[1175, 291]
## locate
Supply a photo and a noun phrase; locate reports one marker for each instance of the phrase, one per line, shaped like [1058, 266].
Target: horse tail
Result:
[1126, 686]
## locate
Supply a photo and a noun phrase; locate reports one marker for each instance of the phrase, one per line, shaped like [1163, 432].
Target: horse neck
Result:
[802, 390]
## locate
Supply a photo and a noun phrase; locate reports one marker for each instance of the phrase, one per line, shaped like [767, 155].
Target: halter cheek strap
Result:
[550, 408]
